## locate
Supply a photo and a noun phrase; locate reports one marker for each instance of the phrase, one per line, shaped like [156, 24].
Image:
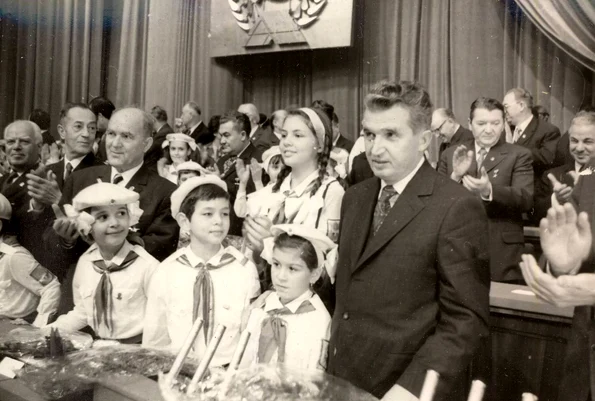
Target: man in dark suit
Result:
[43, 121]
[569, 280]
[412, 280]
[261, 138]
[339, 141]
[446, 127]
[191, 118]
[235, 144]
[360, 170]
[162, 128]
[501, 175]
[23, 144]
[535, 134]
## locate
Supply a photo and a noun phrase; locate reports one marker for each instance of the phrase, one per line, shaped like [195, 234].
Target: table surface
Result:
[521, 298]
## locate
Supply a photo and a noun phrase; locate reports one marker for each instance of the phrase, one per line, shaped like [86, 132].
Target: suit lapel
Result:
[494, 157]
[528, 132]
[361, 215]
[139, 180]
[59, 171]
[408, 206]
[20, 184]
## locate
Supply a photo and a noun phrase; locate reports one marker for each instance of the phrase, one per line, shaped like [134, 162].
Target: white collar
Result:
[253, 130]
[336, 140]
[74, 162]
[301, 188]
[577, 166]
[523, 126]
[194, 259]
[243, 150]
[273, 302]
[400, 186]
[195, 126]
[118, 258]
[126, 175]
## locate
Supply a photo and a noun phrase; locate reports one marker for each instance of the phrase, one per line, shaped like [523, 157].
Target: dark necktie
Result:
[204, 297]
[382, 207]
[117, 179]
[12, 177]
[442, 148]
[273, 332]
[103, 293]
[482, 156]
[67, 171]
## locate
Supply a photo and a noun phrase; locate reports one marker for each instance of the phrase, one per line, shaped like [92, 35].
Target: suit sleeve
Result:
[161, 237]
[463, 287]
[518, 197]
[545, 152]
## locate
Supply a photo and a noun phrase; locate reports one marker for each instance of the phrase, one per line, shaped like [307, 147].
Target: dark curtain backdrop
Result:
[147, 53]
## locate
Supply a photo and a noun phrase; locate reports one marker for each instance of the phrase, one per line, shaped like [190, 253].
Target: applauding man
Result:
[502, 176]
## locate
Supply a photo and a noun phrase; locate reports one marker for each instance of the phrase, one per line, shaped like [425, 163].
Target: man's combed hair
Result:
[241, 121]
[70, 105]
[194, 107]
[584, 117]
[522, 95]
[103, 106]
[487, 103]
[326, 107]
[41, 118]
[204, 192]
[409, 95]
[159, 113]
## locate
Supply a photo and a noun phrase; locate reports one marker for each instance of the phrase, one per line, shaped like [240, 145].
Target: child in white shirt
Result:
[204, 280]
[291, 325]
[111, 278]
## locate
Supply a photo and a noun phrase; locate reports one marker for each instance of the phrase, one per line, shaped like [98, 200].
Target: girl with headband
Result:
[177, 148]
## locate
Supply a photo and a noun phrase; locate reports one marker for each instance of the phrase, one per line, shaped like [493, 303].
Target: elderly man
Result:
[500, 174]
[29, 218]
[412, 282]
[162, 128]
[561, 179]
[537, 135]
[192, 120]
[261, 138]
[446, 127]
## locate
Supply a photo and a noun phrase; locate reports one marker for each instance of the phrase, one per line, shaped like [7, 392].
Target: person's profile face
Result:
[512, 108]
[392, 148]
[188, 116]
[487, 126]
[232, 140]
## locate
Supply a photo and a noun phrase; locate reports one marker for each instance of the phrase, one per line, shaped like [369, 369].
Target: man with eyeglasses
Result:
[446, 127]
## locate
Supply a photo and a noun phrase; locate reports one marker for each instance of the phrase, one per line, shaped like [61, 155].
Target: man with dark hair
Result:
[261, 138]
[103, 109]
[537, 135]
[339, 141]
[191, 118]
[235, 144]
[327, 108]
[393, 322]
[445, 126]
[501, 175]
[162, 128]
[43, 121]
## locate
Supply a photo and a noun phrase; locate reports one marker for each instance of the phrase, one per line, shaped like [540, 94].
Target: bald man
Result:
[446, 127]
[261, 138]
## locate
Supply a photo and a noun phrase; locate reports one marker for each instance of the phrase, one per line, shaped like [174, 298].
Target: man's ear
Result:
[183, 222]
[244, 135]
[148, 144]
[315, 275]
[61, 131]
[425, 139]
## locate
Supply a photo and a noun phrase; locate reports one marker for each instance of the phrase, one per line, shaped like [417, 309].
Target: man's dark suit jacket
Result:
[155, 152]
[360, 169]
[344, 143]
[563, 154]
[263, 139]
[230, 176]
[201, 135]
[415, 296]
[461, 136]
[58, 168]
[510, 172]
[541, 138]
[578, 378]
[27, 225]
[544, 190]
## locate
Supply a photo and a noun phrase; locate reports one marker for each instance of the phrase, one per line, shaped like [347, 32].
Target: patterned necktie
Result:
[203, 294]
[117, 179]
[103, 302]
[67, 171]
[229, 163]
[273, 332]
[480, 159]
[383, 207]
[517, 134]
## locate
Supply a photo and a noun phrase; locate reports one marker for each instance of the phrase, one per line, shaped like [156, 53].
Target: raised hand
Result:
[565, 238]
[563, 191]
[242, 171]
[64, 226]
[256, 172]
[43, 189]
[461, 162]
[481, 186]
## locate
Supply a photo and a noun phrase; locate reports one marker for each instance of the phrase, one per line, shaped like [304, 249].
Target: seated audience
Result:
[261, 138]
[192, 122]
[177, 148]
[44, 122]
[112, 277]
[27, 290]
[235, 145]
[446, 127]
[563, 178]
[541, 112]
[204, 280]
[339, 141]
[501, 175]
[162, 128]
[291, 326]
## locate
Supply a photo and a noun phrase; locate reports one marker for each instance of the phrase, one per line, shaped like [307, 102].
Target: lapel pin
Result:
[492, 159]
[523, 136]
[22, 184]
[119, 297]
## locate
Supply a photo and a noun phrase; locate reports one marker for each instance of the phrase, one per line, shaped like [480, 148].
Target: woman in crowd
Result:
[178, 148]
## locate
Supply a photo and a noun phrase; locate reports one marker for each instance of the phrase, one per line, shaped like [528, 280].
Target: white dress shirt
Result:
[402, 184]
[519, 129]
[130, 288]
[74, 162]
[171, 300]
[126, 175]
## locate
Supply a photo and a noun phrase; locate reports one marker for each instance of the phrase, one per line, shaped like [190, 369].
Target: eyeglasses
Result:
[437, 130]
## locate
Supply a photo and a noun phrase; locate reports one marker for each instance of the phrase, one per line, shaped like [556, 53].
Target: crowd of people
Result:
[361, 259]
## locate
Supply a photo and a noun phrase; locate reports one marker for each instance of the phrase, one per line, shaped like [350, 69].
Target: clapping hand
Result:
[43, 188]
[563, 191]
[461, 162]
[481, 186]
[243, 172]
[65, 226]
[256, 172]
